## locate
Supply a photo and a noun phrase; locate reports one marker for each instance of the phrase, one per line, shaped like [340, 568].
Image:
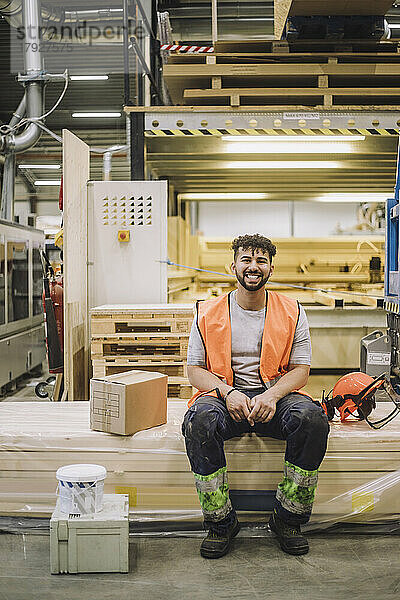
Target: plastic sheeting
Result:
[359, 478]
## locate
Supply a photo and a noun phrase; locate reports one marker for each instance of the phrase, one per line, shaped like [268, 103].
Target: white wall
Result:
[320, 219]
[47, 207]
[22, 210]
[230, 219]
[311, 219]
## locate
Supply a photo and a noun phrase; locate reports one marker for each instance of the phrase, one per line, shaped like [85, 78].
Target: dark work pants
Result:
[298, 420]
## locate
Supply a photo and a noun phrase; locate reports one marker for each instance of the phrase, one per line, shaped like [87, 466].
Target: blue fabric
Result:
[298, 420]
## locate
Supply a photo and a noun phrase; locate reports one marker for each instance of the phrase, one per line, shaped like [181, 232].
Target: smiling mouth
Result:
[252, 277]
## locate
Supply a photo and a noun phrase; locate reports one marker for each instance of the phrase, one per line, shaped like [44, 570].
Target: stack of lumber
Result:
[183, 249]
[359, 477]
[145, 337]
[286, 75]
[333, 260]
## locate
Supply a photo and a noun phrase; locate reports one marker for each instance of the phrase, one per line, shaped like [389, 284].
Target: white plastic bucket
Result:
[80, 489]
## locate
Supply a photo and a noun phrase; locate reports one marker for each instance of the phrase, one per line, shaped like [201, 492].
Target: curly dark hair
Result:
[253, 242]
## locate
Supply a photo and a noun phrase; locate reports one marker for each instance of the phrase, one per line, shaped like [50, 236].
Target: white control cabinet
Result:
[127, 239]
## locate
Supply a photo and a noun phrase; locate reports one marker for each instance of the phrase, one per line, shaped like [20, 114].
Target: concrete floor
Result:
[339, 566]
[24, 389]
[170, 568]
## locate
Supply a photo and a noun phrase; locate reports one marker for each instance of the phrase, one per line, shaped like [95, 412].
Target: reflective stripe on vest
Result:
[214, 325]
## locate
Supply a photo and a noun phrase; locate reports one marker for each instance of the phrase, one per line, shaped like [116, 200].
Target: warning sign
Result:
[300, 115]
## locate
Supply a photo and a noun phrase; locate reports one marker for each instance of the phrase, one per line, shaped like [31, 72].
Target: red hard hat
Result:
[355, 391]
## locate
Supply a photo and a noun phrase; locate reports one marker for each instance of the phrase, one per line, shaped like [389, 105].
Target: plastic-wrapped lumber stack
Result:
[145, 337]
[359, 477]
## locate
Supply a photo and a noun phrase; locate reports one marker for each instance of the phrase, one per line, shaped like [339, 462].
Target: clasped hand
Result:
[260, 408]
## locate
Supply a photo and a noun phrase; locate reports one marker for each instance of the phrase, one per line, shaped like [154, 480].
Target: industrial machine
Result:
[356, 393]
[22, 332]
[332, 20]
[392, 276]
[337, 28]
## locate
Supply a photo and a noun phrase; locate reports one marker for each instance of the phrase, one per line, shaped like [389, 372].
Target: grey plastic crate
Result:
[96, 543]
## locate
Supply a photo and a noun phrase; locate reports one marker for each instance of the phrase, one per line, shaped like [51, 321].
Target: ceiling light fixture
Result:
[48, 182]
[349, 197]
[293, 138]
[224, 196]
[290, 148]
[95, 115]
[39, 166]
[88, 77]
[282, 164]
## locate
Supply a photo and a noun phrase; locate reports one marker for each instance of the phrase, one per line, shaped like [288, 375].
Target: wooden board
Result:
[281, 12]
[256, 109]
[57, 426]
[306, 46]
[292, 96]
[257, 462]
[108, 324]
[142, 311]
[76, 339]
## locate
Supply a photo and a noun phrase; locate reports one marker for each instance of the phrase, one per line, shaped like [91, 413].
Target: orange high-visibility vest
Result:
[214, 325]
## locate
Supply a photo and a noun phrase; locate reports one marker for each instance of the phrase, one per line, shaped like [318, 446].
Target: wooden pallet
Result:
[138, 319]
[111, 366]
[128, 324]
[140, 346]
[178, 387]
[308, 75]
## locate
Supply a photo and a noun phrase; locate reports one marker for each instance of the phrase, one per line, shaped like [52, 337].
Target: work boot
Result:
[219, 539]
[289, 536]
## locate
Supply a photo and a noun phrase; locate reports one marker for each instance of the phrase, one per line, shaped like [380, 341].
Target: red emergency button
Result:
[123, 235]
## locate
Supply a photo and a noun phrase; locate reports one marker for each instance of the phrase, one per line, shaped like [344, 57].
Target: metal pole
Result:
[144, 70]
[8, 188]
[214, 21]
[127, 84]
[291, 217]
[397, 186]
[194, 217]
[32, 21]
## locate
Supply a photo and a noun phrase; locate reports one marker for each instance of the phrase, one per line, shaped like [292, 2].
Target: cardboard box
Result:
[128, 402]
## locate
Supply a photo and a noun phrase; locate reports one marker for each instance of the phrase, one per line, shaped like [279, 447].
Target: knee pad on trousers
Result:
[313, 419]
[307, 417]
[200, 423]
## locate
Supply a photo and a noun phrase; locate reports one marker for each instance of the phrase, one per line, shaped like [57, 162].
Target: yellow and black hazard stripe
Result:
[303, 132]
[392, 307]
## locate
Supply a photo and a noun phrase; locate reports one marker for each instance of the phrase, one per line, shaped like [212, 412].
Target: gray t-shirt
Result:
[247, 330]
